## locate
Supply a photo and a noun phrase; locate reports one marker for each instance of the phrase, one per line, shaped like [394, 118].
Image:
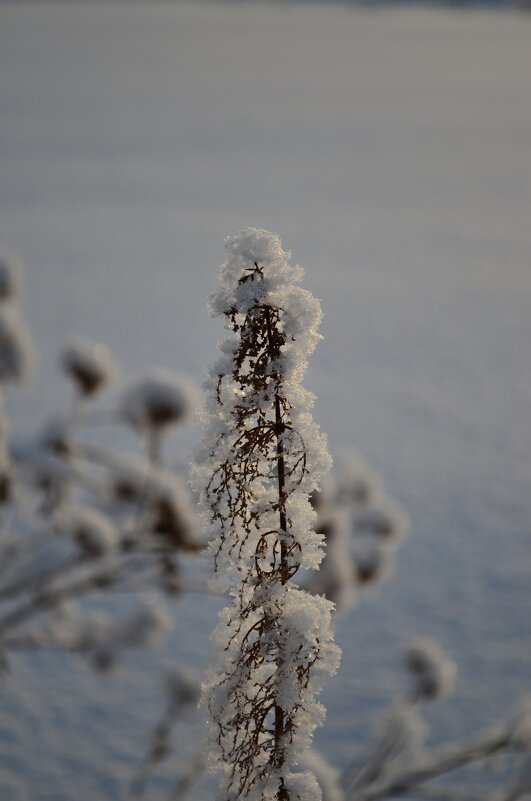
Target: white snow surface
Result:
[391, 150]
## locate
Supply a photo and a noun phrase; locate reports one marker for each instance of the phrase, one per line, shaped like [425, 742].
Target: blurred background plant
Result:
[84, 523]
[83, 519]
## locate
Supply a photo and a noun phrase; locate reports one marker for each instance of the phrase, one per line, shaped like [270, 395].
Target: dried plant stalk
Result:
[262, 457]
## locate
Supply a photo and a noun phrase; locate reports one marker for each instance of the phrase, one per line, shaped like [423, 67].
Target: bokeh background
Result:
[390, 147]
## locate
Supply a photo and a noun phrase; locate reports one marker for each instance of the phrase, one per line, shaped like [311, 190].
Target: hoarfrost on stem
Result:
[261, 459]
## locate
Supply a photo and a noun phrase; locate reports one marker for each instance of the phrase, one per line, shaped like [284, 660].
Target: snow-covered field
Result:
[391, 150]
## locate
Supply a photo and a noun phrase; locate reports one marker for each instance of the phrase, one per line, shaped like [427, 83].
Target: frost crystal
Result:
[262, 458]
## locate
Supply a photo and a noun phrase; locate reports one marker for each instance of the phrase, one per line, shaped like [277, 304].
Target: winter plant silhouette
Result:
[263, 457]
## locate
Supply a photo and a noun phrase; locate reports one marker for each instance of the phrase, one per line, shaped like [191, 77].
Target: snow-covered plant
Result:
[432, 671]
[155, 402]
[362, 528]
[84, 516]
[262, 458]
[88, 364]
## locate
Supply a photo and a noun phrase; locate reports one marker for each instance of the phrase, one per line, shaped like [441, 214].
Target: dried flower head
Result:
[432, 671]
[372, 561]
[160, 399]
[88, 364]
[381, 521]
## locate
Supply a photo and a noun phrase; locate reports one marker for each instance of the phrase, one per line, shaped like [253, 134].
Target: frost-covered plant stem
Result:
[262, 457]
[284, 564]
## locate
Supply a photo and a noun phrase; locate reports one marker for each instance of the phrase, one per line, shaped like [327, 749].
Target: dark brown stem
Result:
[282, 793]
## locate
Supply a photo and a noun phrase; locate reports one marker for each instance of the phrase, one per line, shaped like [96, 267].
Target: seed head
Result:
[432, 671]
[162, 398]
[88, 364]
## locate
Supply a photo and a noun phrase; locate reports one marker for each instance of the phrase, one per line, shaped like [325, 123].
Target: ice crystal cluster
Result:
[261, 459]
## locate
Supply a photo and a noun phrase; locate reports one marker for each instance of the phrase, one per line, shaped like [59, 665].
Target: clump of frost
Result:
[335, 577]
[88, 364]
[432, 671]
[302, 787]
[162, 398]
[326, 774]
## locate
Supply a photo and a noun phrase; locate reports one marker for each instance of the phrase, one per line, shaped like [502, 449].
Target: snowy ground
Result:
[391, 149]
